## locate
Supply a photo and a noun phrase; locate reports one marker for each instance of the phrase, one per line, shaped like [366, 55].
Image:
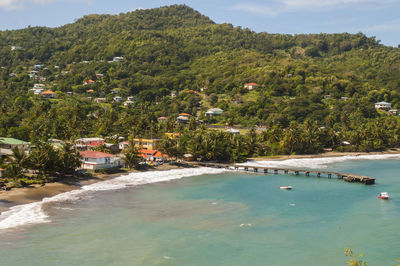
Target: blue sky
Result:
[373, 17]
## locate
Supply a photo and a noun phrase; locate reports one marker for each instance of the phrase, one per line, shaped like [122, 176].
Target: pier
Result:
[353, 178]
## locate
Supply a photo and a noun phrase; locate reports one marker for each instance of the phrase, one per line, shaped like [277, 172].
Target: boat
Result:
[383, 195]
[286, 187]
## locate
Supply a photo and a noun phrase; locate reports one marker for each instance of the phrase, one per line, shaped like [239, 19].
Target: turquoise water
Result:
[226, 219]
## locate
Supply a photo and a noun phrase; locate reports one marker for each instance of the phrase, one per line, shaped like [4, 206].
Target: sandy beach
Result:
[324, 155]
[17, 196]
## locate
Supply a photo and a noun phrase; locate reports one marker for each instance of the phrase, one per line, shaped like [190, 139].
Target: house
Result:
[39, 86]
[383, 105]
[162, 119]
[85, 143]
[152, 155]
[118, 59]
[344, 98]
[95, 160]
[115, 91]
[49, 94]
[37, 66]
[11, 75]
[251, 86]
[182, 119]
[33, 74]
[174, 93]
[2, 173]
[233, 131]
[213, 112]
[90, 91]
[327, 96]
[185, 114]
[99, 75]
[131, 98]
[394, 111]
[7, 144]
[203, 89]
[117, 99]
[127, 103]
[14, 48]
[89, 82]
[36, 91]
[148, 144]
[100, 100]
[143, 144]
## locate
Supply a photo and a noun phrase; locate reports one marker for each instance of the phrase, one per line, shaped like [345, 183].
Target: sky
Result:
[378, 18]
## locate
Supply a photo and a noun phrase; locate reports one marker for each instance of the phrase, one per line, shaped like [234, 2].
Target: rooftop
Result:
[12, 141]
[95, 154]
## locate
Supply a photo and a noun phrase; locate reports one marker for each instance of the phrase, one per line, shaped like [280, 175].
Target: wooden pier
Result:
[273, 170]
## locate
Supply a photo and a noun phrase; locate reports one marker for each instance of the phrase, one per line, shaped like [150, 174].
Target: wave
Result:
[319, 163]
[33, 213]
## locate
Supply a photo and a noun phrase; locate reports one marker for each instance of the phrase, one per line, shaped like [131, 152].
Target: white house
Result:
[118, 59]
[94, 160]
[214, 111]
[13, 47]
[117, 99]
[127, 103]
[100, 100]
[383, 105]
[233, 131]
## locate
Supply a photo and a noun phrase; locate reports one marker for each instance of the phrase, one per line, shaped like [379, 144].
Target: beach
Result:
[34, 193]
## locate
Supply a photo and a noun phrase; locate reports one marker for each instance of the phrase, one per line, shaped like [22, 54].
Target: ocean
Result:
[204, 216]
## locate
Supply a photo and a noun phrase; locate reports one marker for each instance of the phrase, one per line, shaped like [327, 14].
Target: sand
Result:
[17, 196]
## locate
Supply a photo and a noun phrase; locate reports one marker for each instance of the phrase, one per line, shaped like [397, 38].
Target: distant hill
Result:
[333, 79]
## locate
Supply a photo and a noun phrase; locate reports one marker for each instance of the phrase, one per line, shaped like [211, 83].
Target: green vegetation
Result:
[315, 91]
[43, 162]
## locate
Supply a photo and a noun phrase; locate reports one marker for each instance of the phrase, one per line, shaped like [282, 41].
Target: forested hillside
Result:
[314, 91]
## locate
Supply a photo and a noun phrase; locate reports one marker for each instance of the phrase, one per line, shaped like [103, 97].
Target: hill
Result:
[324, 83]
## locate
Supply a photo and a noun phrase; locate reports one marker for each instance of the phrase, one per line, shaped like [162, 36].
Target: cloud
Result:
[11, 5]
[272, 8]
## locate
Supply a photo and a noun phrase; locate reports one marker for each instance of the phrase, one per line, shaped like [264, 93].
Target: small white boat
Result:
[286, 187]
[383, 195]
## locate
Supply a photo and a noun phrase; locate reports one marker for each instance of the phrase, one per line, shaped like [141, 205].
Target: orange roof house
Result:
[185, 114]
[48, 94]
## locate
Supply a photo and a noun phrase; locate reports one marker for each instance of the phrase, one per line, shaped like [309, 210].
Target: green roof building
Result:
[9, 143]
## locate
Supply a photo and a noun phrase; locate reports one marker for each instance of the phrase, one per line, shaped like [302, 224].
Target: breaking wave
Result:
[319, 163]
[33, 213]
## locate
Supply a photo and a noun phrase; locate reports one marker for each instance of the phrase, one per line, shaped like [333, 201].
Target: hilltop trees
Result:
[315, 91]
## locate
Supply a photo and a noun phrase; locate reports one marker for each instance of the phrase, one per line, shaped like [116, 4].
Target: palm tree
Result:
[131, 155]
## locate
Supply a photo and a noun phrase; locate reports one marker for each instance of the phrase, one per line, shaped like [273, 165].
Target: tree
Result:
[131, 155]
[69, 159]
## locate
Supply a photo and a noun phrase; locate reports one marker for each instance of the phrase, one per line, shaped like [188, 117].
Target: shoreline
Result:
[35, 193]
[324, 155]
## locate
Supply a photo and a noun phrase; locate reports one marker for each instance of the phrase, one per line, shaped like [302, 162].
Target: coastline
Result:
[35, 193]
[323, 155]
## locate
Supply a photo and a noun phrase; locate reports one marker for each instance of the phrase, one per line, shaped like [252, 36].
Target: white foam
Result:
[32, 213]
[319, 163]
